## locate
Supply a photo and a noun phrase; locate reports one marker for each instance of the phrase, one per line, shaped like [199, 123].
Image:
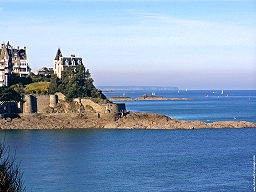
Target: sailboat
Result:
[222, 92]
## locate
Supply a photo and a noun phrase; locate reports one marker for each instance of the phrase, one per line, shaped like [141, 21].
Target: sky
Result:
[190, 44]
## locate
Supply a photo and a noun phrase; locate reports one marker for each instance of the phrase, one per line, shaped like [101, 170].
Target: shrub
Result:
[15, 79]
[9, 94]
[37, 88]
[10, 175]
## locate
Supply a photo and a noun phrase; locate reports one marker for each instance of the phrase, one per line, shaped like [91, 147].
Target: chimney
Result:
[18, 47]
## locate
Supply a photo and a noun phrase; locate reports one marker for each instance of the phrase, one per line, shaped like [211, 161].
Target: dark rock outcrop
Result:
[161, 98]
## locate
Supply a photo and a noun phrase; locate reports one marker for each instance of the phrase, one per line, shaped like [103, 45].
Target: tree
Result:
[16, 79]
[10, 175]
[77, 82]
[54, 83]
[9, 94]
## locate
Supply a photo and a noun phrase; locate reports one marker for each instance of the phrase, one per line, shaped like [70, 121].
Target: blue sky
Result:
[207, 44]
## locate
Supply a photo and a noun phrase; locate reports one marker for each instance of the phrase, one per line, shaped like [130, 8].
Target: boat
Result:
[222, 92]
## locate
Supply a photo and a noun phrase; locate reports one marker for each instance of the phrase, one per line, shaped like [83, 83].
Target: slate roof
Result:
[72, 61]
[21, 53]
[58, 54]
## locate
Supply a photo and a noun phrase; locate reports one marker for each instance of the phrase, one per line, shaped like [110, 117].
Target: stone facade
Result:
[63, 62]
[12, 61]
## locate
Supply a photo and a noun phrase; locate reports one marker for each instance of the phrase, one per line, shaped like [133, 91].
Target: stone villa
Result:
[12, 61]
[63, 62]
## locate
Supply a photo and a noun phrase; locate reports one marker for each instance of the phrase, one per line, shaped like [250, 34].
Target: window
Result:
[73, 62]
[66, 62]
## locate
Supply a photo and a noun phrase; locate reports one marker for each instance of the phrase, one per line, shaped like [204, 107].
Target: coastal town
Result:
[14, 61]
[14, 69]
[61, 106]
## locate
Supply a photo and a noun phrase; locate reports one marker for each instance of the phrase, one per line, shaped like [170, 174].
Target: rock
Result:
[130, 121]
[161, 98]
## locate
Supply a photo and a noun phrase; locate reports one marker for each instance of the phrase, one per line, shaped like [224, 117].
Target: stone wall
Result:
[9, 107]
[102, 108]
[43, 101]
[60, 96]
[38, 104]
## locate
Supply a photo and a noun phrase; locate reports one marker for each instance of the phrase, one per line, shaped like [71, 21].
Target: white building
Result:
[12, 61]
[62, 63]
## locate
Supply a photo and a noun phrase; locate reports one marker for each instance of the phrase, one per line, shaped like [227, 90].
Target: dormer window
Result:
[66, 62]
[73, 62]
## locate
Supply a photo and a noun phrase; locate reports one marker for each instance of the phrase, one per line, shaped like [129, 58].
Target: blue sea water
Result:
[146, 160]
[135, 160]
[206, 105]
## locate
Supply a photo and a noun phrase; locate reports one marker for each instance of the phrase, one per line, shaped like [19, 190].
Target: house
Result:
[12, 61]
[45, 71]
[61, 63]
[5, 64]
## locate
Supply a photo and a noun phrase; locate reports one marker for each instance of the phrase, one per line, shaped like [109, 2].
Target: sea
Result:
[205, 105]
[100, 160]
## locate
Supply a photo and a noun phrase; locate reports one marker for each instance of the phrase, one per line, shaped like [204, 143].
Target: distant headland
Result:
[134, 88]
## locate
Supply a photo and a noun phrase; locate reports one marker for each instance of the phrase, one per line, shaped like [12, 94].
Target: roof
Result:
[72, 61]
[58, 54]
[21, 53]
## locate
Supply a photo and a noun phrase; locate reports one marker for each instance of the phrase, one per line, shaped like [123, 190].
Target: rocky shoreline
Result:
[130, 121]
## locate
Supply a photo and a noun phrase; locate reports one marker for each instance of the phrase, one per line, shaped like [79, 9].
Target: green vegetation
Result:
[37, 88]
[9, 94]
[10, 175]
[54, 83]
[75, 83]
[16, 79]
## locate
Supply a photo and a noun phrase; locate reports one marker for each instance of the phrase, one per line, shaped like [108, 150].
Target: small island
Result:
[120, 98]
[146, 97]
[159, 98]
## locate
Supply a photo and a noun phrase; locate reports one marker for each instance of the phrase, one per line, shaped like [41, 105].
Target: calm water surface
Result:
[135, 160]
[232, 104]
